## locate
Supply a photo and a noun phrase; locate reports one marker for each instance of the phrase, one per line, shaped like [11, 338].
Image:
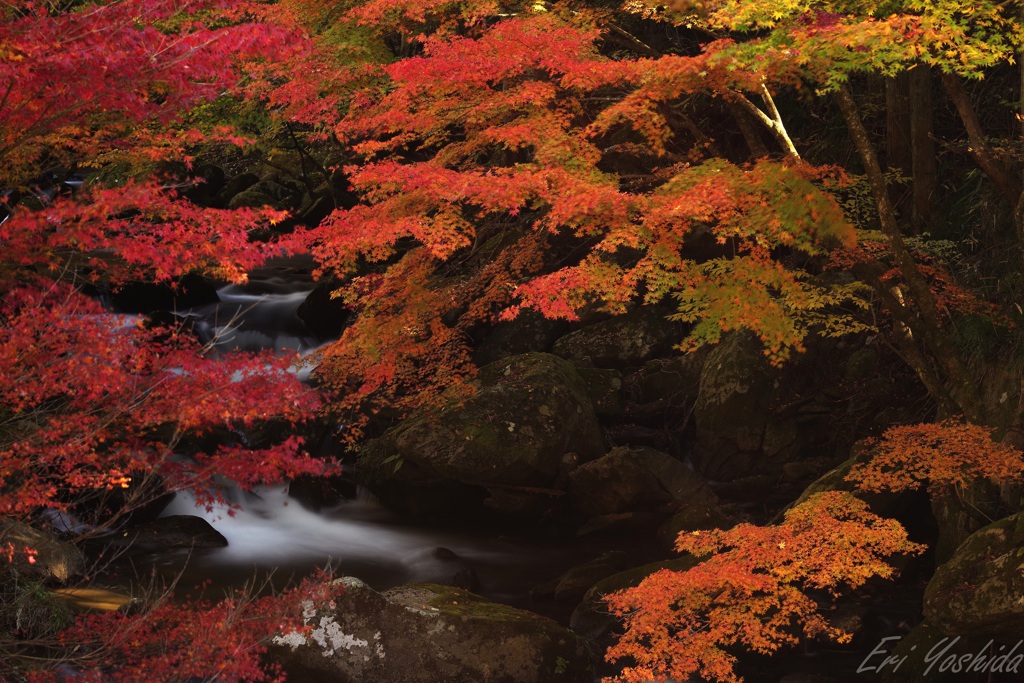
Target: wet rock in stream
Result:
[169, 533]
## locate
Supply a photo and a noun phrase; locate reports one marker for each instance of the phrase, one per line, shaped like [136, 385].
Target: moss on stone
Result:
[980, 590]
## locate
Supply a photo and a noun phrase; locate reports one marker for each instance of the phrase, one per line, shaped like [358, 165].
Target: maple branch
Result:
[1007, 181]
[691, 127]
[748, 131]
[773, 122]
[629, 40]
[304, 154]
[7, 94]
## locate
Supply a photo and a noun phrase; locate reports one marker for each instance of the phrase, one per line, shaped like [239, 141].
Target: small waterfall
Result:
[268, 530]
[253, 322]
[265, 528]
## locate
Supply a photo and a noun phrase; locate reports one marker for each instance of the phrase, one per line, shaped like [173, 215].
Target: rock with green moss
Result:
[528, 332]
[980, 590]
[695, 517]
[931, 654]
[675, 378]
[635, 479]
[425, 633]
[509, 437]
[738, 432]
[265, 193]
[604, 387]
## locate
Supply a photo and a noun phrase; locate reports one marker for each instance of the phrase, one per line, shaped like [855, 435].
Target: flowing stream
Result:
[271, 533]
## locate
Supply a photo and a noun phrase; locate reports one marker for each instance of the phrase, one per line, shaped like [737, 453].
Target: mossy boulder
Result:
[265, 193]
[425, 633]
[738, 430]
[528, 332]
[235, 185]
[623, 341]
[510, 436]
[691, 517]
[604, 387]
[572, 584]
[665, 389]
[930, 654]
[980, 590]
[635, 479]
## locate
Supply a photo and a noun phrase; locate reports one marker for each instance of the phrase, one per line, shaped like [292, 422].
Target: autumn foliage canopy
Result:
[496, 159]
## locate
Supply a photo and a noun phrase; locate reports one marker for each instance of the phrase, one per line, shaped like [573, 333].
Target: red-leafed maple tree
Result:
[89, 397]
[93, 403]
[512, 155]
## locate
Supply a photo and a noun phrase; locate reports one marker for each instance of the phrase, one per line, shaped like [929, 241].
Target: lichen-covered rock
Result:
[625, 340]
[980, 590]
[604, 387]
[511, 435]
[428, 634]
[635, 479]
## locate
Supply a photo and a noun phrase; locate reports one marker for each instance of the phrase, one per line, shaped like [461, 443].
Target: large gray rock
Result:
[509, 437]
[980, 590]
[428, 634]
[738, 431]
[635, 479]
[628, 339]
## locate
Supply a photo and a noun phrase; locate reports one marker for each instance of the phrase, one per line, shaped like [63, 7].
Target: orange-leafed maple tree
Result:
[754, 591]
[949, 454]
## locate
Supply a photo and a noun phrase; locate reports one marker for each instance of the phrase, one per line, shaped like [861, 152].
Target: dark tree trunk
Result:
[898, 148]
[1008, 182]
[921, 317]
[923, 160]
[749, 131]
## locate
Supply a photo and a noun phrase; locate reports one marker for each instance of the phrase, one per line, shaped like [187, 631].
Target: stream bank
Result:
[583, 453]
